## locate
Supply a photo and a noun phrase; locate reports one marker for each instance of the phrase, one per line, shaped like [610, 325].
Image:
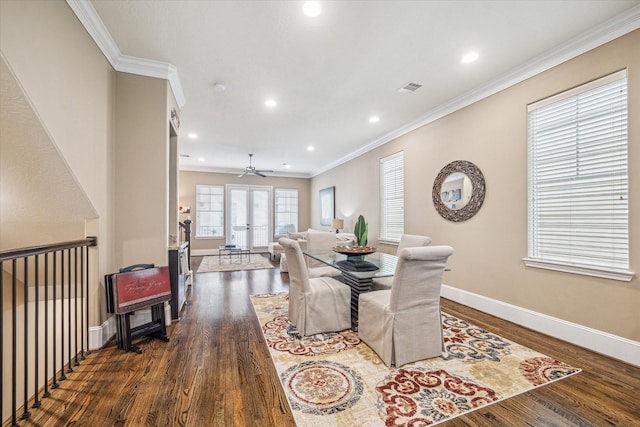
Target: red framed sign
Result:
[141, 288]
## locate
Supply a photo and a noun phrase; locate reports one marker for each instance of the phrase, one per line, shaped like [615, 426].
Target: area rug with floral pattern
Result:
[335, 379]
[233, 262]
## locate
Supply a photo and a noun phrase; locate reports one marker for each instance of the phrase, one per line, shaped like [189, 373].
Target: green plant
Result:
[361, 231]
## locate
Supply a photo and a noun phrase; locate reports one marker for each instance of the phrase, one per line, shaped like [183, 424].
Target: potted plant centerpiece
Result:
[355, 255]
[361, 231]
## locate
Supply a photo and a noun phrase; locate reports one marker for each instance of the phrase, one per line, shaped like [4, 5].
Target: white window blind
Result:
[578, 179]
[392, 197]
[286, 211]
[209, 211]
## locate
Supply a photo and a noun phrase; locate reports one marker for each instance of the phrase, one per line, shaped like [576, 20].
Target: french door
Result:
[249, 216]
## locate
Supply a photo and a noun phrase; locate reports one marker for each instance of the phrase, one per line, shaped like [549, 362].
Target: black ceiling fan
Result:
[251, 170]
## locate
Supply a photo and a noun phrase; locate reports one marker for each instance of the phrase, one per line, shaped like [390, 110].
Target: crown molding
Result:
[597, 36]
[609, 30]
[89, 18]
[150, 68]
[196, 168]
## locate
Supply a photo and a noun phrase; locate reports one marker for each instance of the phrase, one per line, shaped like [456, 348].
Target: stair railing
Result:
[48, 288]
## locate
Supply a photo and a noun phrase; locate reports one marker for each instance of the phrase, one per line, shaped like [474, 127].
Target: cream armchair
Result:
[320, 304]
[320, 241]
[406, 241]
[403, 324]
[323, 242]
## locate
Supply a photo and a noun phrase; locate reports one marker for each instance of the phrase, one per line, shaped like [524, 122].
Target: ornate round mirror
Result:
[458, 191]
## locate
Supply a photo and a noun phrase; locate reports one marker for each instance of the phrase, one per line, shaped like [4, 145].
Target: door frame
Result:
[249, 189]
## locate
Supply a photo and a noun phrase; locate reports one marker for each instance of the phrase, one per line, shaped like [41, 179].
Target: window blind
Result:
[578, 176]
[392, 197]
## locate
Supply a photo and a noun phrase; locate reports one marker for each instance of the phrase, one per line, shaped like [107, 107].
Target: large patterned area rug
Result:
[337, 380]
[216, 263]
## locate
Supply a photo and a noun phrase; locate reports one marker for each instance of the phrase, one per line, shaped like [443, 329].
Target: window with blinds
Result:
[392, 198]
[578, 180]
[286, 211]
[209, 211]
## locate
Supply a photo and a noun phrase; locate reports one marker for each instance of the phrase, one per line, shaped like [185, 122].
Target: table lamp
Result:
[338, 224]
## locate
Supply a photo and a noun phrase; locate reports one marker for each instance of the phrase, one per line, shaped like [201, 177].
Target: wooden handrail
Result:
[9, 254]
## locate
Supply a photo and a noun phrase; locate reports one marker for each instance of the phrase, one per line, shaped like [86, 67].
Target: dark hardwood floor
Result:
[216, 371]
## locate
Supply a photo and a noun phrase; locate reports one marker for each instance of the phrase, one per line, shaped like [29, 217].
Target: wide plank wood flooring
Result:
[216, 371]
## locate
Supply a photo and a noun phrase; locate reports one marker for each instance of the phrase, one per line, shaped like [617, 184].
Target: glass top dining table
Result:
[378, 264]
[358, 272]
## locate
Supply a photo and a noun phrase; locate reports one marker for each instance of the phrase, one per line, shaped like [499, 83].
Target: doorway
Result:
[249, 212]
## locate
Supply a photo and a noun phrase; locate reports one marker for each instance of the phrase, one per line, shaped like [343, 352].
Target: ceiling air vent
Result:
[410, 87]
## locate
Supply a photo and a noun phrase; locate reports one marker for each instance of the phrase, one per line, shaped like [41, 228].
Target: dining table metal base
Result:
[358, 286]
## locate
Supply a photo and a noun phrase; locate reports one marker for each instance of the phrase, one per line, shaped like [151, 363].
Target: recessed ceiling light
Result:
[311, 8]
[192, 135]
[201, 159]
[311, 148]
[374, 119]
[470, 57]
[286, 165]
[219, 87]
[270, 103]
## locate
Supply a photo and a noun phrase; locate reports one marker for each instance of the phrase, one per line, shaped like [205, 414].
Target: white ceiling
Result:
[330, 73]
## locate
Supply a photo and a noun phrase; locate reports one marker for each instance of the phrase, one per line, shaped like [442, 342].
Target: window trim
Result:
[223, 235]
[614, 273]
[384, 238]
[623, 276]
[275, 225]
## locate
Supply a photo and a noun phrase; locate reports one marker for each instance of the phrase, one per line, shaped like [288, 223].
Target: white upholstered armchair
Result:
[320, 241]
[403, 324]
[406, 241]
[320, 304]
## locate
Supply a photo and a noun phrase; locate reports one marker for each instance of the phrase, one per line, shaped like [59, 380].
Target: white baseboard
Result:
[100, 335]
[601, 342]
[203, 252]
[167, 315]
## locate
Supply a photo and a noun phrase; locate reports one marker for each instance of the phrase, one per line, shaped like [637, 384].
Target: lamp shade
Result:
[338, 223]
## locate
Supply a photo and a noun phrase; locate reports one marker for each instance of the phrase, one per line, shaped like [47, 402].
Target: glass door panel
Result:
[238, 218]
[260, 225]
[249, 213]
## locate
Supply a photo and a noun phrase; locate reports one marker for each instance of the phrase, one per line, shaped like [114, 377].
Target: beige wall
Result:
[70, 87]
[29, 158]
[107, 136]
[189, 180]
[489, 248]
[58, 94]
[142, 171]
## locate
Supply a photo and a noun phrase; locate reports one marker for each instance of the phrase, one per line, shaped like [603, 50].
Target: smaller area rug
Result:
[216, 263]
[335, 379]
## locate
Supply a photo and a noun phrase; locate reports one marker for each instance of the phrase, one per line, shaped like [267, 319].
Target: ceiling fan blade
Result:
[243, 174]
[264, 171]
[251, 170]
